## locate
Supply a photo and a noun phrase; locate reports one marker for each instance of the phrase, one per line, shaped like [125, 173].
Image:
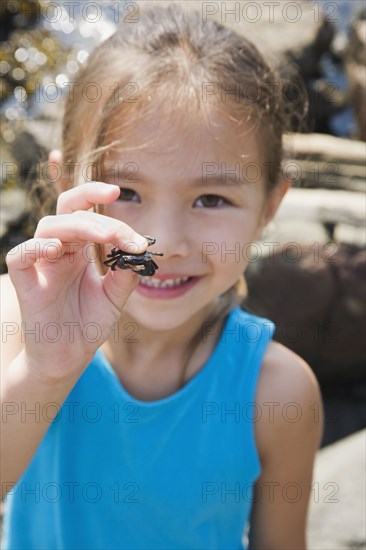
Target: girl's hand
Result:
[68, 309]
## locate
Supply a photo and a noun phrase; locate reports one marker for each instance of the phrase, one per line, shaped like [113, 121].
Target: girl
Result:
[152, 412]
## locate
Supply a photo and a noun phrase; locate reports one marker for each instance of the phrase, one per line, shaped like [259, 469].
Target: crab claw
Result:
[150, 240]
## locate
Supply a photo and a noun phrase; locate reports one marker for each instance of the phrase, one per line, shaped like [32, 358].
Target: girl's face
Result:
[190, 191]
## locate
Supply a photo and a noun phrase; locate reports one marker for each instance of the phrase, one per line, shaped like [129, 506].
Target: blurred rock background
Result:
[308, 272]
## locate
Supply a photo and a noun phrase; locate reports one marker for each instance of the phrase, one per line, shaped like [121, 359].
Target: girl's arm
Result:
[288, 435]
[26, 414]
[53, 287]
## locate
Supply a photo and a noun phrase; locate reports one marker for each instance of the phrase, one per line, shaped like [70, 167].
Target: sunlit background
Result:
[42, 46]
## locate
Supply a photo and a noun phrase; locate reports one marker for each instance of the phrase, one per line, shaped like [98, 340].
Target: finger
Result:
[53, 166]
[82, 227]
[55, 155]
[21, 259]
[118, 286]
[85, 196]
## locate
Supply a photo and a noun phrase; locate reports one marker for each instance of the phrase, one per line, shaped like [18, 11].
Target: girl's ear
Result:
[55, 170]
[273, 201]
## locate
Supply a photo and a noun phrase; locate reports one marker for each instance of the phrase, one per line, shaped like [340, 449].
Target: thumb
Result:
[118, 285]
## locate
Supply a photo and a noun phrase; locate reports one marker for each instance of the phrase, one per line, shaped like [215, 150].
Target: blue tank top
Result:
[116, 473]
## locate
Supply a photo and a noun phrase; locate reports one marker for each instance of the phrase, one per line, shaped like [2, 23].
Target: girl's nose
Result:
[172, 235]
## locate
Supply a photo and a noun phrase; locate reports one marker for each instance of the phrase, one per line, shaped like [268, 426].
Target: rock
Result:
[344, 410]
[357, 78]
[321, 215]
[324, 147]
[355, 63]
[318, 305]
[12, 208]
[337, 503]
[324, 99]
[27, 152]
[318, 302]
[317, 160]
[274, 25]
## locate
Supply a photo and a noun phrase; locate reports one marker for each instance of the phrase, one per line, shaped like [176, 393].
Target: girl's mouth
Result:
[166, 283]
[152, 287]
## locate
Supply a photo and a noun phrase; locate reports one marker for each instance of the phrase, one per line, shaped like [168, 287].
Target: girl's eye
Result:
[128, 195]
[211, 201]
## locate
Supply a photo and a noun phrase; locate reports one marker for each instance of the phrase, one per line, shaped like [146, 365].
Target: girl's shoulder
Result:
[289, 399]
[285, 373]
[11, 341]
[288, 433]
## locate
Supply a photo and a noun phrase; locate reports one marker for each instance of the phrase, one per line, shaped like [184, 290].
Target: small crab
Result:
[143, 264]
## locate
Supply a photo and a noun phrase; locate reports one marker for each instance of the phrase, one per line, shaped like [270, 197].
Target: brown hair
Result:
[169, 58]
[169, 55]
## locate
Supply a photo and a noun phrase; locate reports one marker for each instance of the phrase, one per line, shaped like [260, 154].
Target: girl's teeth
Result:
[168, 283]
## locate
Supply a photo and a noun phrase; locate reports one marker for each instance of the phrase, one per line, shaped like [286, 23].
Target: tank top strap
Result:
[244, 341]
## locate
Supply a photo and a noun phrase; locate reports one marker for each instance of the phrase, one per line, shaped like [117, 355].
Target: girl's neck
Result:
[159, 363]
